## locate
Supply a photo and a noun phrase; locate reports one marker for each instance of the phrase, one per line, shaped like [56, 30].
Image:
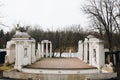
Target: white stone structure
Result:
[45, 48]
[92, 51]
[80, 49]
[21, 50]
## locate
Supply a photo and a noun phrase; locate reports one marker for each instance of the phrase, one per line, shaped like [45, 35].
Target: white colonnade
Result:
[46, 48]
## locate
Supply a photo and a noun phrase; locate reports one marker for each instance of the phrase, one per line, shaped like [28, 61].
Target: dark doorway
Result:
[2, 57]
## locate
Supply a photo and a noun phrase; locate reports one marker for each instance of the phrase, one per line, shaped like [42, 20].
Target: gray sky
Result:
[50, 14]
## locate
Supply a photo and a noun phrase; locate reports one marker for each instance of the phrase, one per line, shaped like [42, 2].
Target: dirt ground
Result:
[61, 63]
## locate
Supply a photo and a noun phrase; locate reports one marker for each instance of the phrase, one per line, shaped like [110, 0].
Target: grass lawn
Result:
[4, 68]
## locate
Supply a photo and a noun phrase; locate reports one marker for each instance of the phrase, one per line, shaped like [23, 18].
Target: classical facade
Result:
[91, 51]
[21, 50]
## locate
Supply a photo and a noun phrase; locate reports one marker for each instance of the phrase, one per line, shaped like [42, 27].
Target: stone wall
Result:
[19, 75]
[95, 76]
[47, 71]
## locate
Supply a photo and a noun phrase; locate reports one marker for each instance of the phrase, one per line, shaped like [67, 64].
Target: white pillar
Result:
[33, 52]
[46, 49]
[50, 49]
[90, 53]
[16, 58]
[20, 56]
[101, 57]
[114, 58]
[42, 51]
[86, 50]
[80, 49]
[30, 53]
[69, 52]
[39, 50]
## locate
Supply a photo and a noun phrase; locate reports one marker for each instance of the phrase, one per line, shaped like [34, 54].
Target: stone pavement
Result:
[60, 63]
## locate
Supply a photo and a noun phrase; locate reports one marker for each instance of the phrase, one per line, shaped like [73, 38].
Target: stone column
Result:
[50, 49]
[100, 54]
[79, 53]
[46, 49]
[90, 53]
[39, 50]
[33, 51]
[30, 53]
[79, 46]
[86, 50]
[16, 58]
[80, 49]
[42, 49]
[114, 58]
[19, 55]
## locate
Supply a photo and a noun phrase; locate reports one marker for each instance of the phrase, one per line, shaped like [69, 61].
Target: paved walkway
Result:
[60, 63]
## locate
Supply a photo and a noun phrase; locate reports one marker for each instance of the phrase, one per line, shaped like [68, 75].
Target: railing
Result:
[1, 50]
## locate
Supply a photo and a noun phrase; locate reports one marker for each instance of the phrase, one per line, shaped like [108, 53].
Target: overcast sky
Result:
[50, 14]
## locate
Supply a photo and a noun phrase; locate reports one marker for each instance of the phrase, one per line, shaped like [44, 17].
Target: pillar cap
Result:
[45, 41]
[90, 36]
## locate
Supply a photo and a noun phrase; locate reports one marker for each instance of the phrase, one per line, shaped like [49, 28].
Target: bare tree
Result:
[104, 14]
